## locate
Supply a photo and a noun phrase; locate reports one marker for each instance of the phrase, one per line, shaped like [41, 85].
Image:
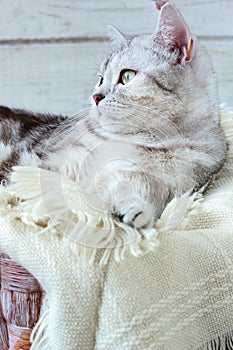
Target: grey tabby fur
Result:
[141, 143]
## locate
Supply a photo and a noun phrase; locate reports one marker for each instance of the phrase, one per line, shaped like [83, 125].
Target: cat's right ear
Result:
[116, 36]
[159, 3]
[174, 35]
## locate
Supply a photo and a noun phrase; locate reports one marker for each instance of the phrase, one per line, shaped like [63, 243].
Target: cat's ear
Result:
[173, 33]
[116, 36]
[159, 3]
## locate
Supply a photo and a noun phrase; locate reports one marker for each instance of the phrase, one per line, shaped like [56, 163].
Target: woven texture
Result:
[21, 301]
[178, 297]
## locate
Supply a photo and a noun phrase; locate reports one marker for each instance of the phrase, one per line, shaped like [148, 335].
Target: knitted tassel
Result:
[39, 336]
[46, 201]
[224, 342]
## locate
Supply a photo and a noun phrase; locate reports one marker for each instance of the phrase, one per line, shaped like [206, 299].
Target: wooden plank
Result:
[60, 78]
[44, 19]
[53, 78]
[221, 53]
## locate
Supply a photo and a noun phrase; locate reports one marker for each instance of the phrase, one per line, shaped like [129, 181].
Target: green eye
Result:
[126, 76]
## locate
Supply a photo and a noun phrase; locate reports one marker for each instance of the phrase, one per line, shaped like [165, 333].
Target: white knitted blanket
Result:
[172, 291]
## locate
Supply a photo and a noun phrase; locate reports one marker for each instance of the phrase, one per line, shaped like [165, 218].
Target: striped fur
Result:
[143, 142]
[23, 136]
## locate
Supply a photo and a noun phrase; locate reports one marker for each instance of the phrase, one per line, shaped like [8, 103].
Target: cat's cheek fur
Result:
[110, 115]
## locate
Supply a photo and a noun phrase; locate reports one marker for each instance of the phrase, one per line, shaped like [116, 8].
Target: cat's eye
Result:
[126, 76]
[101, 80]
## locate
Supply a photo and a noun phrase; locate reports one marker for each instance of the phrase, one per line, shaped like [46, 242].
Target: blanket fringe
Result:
[224, 342]
[55, 205]
[92, 232]
[39, 336]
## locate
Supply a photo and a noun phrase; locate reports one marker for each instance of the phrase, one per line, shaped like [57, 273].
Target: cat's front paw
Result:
[137, 213]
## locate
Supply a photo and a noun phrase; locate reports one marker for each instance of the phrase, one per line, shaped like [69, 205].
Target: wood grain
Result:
[67, 19]
[54, 47]
[52, 78]
[60, 78]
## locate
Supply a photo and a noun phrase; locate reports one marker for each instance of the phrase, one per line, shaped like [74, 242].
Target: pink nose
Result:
[97, 98]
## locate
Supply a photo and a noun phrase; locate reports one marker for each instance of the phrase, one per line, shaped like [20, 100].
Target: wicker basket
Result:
[20, 307]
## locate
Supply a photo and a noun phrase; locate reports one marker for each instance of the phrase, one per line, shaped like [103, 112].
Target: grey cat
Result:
[152, 133]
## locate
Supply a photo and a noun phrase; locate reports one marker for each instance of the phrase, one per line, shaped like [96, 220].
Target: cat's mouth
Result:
[108, 123]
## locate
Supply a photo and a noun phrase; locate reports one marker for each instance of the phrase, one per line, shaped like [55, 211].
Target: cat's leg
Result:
[128, 198]
[119, 184]
[137, 213]
[132, 208]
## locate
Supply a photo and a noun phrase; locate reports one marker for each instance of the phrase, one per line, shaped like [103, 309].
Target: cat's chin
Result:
[109, 125]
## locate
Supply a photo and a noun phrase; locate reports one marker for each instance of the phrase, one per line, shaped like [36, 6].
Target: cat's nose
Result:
[97, 98]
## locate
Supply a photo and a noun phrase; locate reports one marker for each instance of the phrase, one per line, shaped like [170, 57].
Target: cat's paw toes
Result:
[137, 214]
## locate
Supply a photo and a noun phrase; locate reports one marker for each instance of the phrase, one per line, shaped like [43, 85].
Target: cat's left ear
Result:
[116, 36]
[173, 33]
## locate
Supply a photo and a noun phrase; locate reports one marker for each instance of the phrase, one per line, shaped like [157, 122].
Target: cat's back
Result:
[23, 136]
[18, 126]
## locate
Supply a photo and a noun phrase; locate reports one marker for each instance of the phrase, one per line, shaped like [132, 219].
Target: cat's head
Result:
[165, 74]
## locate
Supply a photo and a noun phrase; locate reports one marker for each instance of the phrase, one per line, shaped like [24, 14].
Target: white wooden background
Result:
[50, 49]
